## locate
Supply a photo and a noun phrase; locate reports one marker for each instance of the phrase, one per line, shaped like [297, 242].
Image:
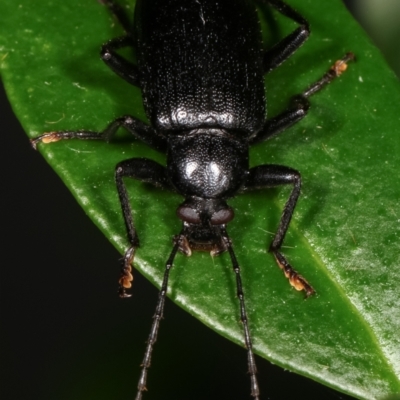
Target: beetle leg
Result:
[267, 176]
[294, 113]
[119, 13]
[122, 67]
[300, 104]
[144, 170]
[139, 129]
[288, 45]
[251, 362]
[333, 72]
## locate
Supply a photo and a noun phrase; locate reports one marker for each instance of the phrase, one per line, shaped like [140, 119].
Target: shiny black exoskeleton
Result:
[201, 66]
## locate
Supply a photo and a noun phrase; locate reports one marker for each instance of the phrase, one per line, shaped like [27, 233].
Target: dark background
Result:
[63, 328]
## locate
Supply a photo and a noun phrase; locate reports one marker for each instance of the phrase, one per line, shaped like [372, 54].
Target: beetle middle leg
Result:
[267, 176]
[139, 129]
[144, 170]
[300, 103]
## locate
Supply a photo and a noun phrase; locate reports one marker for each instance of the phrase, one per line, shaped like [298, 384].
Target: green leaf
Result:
[345, 233]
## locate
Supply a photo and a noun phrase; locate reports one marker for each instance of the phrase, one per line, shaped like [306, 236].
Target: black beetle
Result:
[201, 66]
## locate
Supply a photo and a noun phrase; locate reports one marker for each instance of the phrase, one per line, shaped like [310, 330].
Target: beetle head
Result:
[202, 222]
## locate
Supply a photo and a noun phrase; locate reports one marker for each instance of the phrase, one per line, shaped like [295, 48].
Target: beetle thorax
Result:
[207, 163]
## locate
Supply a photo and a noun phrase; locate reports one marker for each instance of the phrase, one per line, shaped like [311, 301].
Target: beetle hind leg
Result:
[119, 14]
[121, 66]
[283, 50]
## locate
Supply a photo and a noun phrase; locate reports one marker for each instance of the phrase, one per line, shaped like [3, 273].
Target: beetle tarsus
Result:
[295, 279]
[126, 277]
[334, 72]
[48, 137]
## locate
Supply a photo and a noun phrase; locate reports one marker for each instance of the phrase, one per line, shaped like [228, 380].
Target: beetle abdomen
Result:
[201, 64]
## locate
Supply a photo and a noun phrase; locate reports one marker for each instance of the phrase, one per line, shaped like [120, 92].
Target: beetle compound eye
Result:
[222, 217]
[188, 214]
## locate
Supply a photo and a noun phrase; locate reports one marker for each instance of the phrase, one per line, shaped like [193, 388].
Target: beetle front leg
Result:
[267, 176]
[144, 170]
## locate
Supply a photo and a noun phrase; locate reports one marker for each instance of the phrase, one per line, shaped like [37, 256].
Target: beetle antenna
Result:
[158, 315]
[251, 362]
